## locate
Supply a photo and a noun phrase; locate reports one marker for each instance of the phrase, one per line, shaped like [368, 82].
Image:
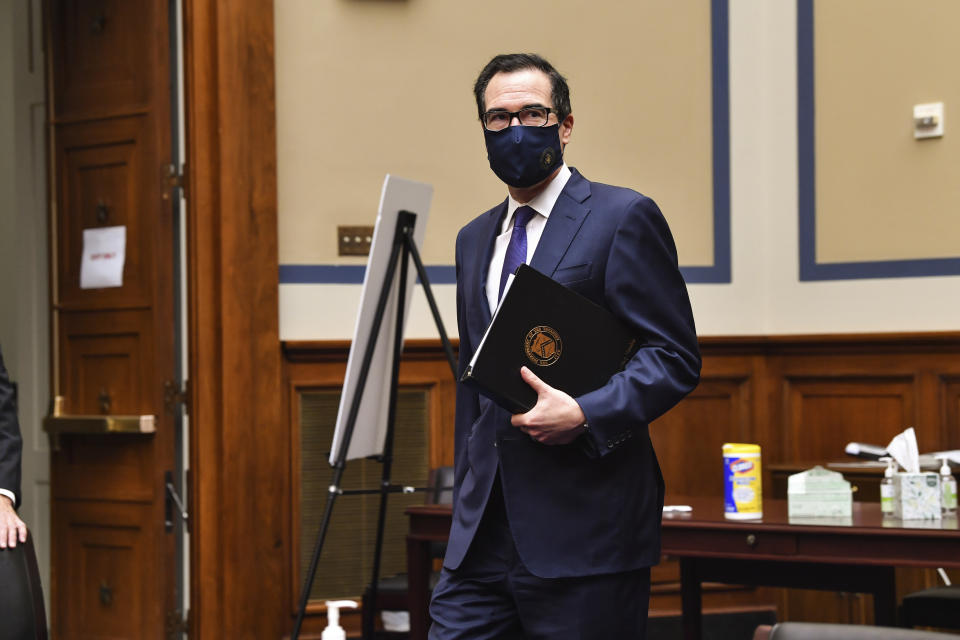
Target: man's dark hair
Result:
[510, 62]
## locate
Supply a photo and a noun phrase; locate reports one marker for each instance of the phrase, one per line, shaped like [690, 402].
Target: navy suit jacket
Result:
[592, 506]
[10, 442]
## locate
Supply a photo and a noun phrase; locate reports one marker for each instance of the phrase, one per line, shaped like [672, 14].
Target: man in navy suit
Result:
[12, 527]
[556, 516]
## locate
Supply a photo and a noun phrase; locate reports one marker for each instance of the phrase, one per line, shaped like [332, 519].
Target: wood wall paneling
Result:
[948, 401]
[824, 391]
[319, 366]
[239, 449]
[688, 439]
[347, 560]
[802, 398]
[823, 414]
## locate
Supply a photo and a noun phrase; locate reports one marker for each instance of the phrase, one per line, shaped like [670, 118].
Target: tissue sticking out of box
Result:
[917, 493]
[903, 448]
[819, 493]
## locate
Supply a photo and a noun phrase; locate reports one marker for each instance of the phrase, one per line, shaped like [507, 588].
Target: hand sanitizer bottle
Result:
[948, 489]
[334, 631]
[888, 491]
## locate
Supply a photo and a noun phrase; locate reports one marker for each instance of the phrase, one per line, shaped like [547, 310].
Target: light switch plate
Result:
[928, 120]
[354, 241]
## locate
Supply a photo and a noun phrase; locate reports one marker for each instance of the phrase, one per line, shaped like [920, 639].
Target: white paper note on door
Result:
[104, 251]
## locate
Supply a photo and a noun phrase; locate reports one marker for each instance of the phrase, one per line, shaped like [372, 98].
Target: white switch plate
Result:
[932, 111]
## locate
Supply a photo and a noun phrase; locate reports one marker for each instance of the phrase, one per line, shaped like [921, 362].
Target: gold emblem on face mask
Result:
[543, 345]
[546, 158]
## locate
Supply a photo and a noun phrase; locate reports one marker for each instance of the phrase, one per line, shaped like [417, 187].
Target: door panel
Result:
[104, 181]
[104, 550]
[103, 48]
[106, 362]
[113, 562]
[110, 467]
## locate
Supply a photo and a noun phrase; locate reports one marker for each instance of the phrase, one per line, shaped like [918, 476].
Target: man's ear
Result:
[566, 128]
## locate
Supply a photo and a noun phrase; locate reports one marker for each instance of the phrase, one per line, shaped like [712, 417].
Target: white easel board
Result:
[370, 431]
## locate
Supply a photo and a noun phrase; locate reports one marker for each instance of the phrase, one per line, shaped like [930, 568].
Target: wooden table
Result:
[428, 523]
[856, 555]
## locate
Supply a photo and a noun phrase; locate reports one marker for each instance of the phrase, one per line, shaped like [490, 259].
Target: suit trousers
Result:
[492, 595]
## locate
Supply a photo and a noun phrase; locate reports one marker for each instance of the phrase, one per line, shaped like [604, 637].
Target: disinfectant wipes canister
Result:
[743, 499]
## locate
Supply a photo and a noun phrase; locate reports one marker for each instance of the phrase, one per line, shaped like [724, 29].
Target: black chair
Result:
[21, 596]
[935, 607]
[392, 591]
[817, 631]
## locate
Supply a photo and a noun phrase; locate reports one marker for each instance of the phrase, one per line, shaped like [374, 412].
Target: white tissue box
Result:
[918, 496]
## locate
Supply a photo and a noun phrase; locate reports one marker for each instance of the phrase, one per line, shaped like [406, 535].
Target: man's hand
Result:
[555, 419]
[11, 526]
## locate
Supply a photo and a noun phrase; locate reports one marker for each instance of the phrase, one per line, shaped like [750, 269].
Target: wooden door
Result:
[109, 82]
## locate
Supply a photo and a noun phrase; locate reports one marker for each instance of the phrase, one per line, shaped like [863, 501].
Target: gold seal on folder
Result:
[543, 345]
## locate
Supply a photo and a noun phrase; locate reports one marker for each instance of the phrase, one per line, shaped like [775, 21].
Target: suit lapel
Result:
[489, 232]
[565, 220]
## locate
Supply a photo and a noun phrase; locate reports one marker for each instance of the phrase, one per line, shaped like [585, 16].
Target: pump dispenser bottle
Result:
[888, 490]
[948, 489]
[334, 631]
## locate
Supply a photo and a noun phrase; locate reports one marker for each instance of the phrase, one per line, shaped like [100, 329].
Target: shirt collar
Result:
[543, 202]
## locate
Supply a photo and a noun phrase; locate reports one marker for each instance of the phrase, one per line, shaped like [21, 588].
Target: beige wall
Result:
[367, 87]
[765, 295]
[881, 194]
[24, 285]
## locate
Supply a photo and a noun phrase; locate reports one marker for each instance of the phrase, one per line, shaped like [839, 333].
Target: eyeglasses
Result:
[498, 119]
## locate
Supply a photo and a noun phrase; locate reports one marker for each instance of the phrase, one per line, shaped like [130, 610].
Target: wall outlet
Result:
[928, 120]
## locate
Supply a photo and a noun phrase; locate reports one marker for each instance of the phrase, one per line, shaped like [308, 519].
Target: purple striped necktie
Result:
[517, 249]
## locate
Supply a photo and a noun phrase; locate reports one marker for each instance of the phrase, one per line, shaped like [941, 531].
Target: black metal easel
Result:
[403, 247]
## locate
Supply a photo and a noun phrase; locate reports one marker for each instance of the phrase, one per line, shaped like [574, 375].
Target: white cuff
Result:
[9, 494]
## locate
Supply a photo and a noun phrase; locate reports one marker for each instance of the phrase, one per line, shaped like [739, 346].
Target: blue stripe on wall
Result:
[720, 60]
[806, 160]
[351, 274]
[810, 269]
[718, 272]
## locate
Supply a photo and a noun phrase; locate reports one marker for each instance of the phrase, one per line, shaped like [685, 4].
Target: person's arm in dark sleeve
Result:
[644, 288]
[11, 446]
[468, 400]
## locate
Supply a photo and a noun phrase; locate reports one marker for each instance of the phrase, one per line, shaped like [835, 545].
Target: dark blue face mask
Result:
[523, 156]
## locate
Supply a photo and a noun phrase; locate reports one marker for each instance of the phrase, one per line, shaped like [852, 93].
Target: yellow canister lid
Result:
[739, 447]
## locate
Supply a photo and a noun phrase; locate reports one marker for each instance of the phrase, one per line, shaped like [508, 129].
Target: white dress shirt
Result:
[543, 205]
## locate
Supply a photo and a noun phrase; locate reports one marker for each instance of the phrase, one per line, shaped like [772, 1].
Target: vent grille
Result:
[347, 559]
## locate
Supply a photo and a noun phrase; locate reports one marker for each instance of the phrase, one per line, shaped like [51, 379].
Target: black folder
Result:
[570, 342]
